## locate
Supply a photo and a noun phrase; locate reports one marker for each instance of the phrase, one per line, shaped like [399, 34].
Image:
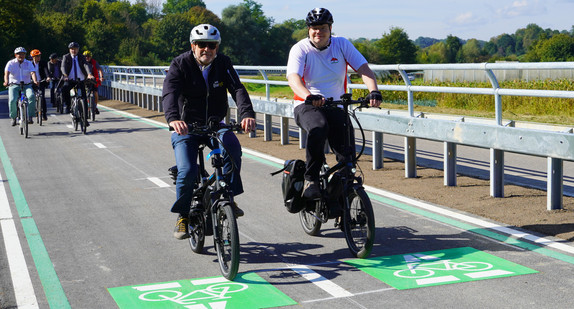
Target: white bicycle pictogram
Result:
[423, 270]
[214, 292]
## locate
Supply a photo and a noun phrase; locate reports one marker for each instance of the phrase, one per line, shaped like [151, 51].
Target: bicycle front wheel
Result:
[227, 241]
[83, 115]
[92, 101]
[24, 120]
[359, 223]
[39, 109]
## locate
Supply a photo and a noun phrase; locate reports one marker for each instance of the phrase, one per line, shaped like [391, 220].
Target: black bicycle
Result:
[343, 196]
[212, 202]
[39, 98]
[79, 108]
[59, 99]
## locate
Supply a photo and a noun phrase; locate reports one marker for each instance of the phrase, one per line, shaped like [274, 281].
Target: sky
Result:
[474, 19]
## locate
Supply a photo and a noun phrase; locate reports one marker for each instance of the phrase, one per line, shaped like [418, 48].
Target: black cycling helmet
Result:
[73, 45]
[53, 56]
[319, 16]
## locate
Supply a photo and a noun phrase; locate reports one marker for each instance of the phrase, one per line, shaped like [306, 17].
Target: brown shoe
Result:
[180, 231]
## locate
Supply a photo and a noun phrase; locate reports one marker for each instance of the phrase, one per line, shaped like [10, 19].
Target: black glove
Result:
[374, 95]
[313, 97]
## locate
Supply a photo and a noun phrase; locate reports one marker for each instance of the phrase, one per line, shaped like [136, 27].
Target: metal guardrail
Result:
[142, 86]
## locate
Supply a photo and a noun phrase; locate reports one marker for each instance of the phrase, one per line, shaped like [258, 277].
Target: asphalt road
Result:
[86, 224]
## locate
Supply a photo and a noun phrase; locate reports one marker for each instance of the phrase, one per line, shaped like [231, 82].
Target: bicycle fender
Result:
[214, 151]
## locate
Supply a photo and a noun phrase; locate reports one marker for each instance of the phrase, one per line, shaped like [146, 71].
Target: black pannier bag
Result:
[292, 184]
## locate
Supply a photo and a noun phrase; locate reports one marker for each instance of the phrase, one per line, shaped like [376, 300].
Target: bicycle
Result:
[39, 107]
[60, 104]
[22, 111]
[91, 99]
[343, 196]
[212, 211]
[79, 109]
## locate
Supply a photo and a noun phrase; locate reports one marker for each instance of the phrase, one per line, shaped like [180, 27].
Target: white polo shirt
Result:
[324, 72]
[19, 71]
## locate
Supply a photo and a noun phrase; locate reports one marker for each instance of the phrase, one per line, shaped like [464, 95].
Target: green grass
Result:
[518, 108]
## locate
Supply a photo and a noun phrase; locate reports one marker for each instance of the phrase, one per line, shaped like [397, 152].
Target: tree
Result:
[453, 46]
[472, 52]
[171, 36]
[396, 47]
[180, 6]
[246, 32]
[436, 53]
[557, 48]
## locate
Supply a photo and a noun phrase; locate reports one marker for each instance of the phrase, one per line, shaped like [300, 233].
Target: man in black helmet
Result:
[317, 69]
[55, 72]
[75, 69]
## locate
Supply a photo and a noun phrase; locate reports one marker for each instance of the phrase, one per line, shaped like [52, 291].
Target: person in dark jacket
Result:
[43, 74]
[55, 70]
[75, 70]
[195, 90]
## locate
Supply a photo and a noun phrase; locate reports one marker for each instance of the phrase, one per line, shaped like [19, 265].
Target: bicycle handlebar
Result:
[346, 100]
[212, 128]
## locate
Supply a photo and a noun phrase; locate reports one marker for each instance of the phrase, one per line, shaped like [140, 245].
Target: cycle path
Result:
[278, 259]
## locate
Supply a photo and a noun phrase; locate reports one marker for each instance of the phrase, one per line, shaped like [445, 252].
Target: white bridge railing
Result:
[142, 86]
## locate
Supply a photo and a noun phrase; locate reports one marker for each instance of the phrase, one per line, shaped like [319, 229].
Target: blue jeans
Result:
[185, 148]
[13, 92]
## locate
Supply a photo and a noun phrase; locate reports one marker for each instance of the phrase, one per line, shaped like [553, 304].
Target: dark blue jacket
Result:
[185, 95]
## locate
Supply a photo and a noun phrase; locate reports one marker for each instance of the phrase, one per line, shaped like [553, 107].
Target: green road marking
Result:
[50, 281]
[415, 270]
[248, 290]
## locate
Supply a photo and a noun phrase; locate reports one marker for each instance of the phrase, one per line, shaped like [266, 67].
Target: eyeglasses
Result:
[210, 45]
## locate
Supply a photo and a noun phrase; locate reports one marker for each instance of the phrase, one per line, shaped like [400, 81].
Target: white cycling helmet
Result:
[19, 50]
[206, 33]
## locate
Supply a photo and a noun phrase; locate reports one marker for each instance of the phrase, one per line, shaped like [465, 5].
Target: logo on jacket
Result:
[334, 60]
[217, 84]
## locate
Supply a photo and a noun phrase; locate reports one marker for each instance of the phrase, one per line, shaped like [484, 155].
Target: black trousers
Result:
[66, 91]
[324, 124]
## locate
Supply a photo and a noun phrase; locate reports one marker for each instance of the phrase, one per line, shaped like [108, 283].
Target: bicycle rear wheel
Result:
[311, 225]
[196, 231]
[227, 241]
[359, 223]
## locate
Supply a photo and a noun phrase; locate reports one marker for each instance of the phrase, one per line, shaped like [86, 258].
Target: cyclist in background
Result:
[55, 74]
[43, 74]
[98, 74]
[74, 66]
[317, 69]
[20, 70]
[194, 90]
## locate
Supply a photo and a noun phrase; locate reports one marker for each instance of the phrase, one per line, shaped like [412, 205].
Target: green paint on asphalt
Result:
[248, 290]
[415, 270]
[48, 277]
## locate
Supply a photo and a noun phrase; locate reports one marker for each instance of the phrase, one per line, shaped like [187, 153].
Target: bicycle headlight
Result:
[222, 183]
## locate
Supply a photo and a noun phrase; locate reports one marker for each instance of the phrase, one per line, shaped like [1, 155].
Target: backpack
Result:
[292, 184]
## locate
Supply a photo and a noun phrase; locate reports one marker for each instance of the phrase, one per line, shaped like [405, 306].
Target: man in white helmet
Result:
[16, 71]
[195, 90]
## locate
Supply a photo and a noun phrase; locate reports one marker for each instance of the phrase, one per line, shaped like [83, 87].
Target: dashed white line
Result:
[160, 183]
[320, 281]
[100, 145]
